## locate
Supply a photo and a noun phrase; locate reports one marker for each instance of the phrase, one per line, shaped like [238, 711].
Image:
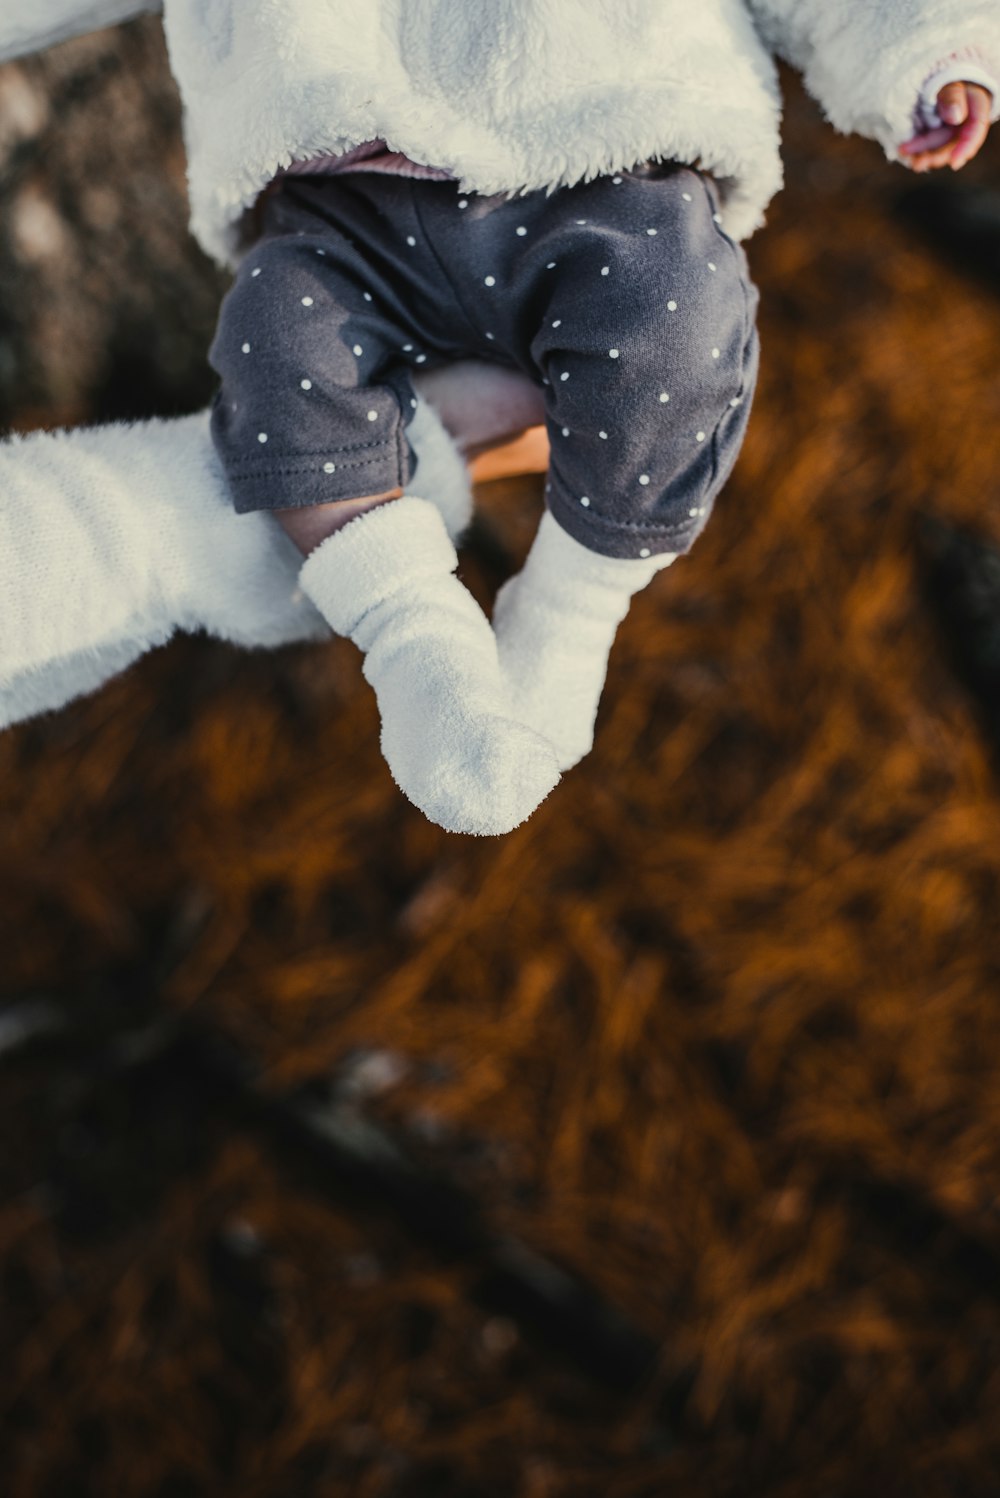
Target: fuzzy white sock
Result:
[555, 623]
[386, 581]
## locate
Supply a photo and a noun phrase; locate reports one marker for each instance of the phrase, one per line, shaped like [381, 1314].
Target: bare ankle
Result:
[311, 524]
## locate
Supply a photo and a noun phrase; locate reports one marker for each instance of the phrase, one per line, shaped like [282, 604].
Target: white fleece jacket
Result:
[513, 95]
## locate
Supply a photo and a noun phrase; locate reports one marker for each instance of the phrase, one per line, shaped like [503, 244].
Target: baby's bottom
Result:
[481, 406]
[617, 309]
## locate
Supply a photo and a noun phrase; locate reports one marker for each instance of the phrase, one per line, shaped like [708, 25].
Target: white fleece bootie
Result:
[113, 537]
[386, 581]
[555, 623]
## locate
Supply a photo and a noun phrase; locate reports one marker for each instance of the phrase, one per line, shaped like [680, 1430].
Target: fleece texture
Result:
[454, 748]
[522, 94]
[115, 537]
[555, 623]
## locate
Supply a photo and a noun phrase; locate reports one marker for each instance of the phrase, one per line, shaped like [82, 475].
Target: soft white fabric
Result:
[555, 623]
[513, 95]
[113, 537]
[386, 581]
[440, 472]
[867, 61]
[30, 25]
[519, 94]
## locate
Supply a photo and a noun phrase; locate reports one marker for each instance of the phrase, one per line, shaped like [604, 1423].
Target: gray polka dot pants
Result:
[622, 298]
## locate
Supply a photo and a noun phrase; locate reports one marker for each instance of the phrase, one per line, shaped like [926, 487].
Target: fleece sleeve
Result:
[869, 62]
[29, 25]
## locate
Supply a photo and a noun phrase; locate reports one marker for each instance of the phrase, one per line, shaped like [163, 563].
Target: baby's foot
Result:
[448, 735]
[555, 623]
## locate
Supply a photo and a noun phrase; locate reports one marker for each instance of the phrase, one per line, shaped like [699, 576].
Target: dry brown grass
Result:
[718, 1029]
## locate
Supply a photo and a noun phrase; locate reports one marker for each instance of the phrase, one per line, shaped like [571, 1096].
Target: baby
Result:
[452, 220]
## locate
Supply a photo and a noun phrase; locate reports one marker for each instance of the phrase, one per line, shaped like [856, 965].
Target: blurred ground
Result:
[716, 1032]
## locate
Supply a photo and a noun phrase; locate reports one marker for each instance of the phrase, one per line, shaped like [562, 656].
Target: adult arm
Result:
[29, 25]
[877, 66]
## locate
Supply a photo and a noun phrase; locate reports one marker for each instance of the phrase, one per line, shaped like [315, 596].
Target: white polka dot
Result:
[686, 196]
[261, 436]
[329, 467]
[735, 401]
[651, 231]
[246, 348]
[644, 479]
[565, 431]
[644, 552]
[692, 513]
[564, 375]
[357, 349]
[255, 271]
[410, 239]
[367, 296]
[617, 181]
[612, 353]
[413, 401]
[700, 437]
[321, 252]
[407, 348]
[463, 202]
[712, 265]
[421, 359]
[373, 416]
[671, 306]
[489, 280]
[520, 230]
[307, 301]
[490, 337]
[584, 501]
[605, 270]
[664, 397]
[551, 265]
[716, 218]
[306, 384]
[557, 323]
[581, 220]
[715, 353]
[603, 436]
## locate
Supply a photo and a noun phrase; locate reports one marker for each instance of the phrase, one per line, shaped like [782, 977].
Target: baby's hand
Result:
[964, 111]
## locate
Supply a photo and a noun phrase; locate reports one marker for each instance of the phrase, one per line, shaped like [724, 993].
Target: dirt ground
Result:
[653, 1149]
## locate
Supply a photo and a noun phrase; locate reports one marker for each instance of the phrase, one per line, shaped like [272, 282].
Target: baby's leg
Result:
[481, 406]
[649, 353]
[315, 411]
[386, 581]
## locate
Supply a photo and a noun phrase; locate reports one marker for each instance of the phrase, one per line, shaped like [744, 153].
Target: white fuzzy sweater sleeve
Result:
[30, 25]
[868, 62]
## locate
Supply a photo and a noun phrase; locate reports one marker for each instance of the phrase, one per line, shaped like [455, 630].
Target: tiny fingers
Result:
[953, 104]
[964, 110]
[975, 128]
